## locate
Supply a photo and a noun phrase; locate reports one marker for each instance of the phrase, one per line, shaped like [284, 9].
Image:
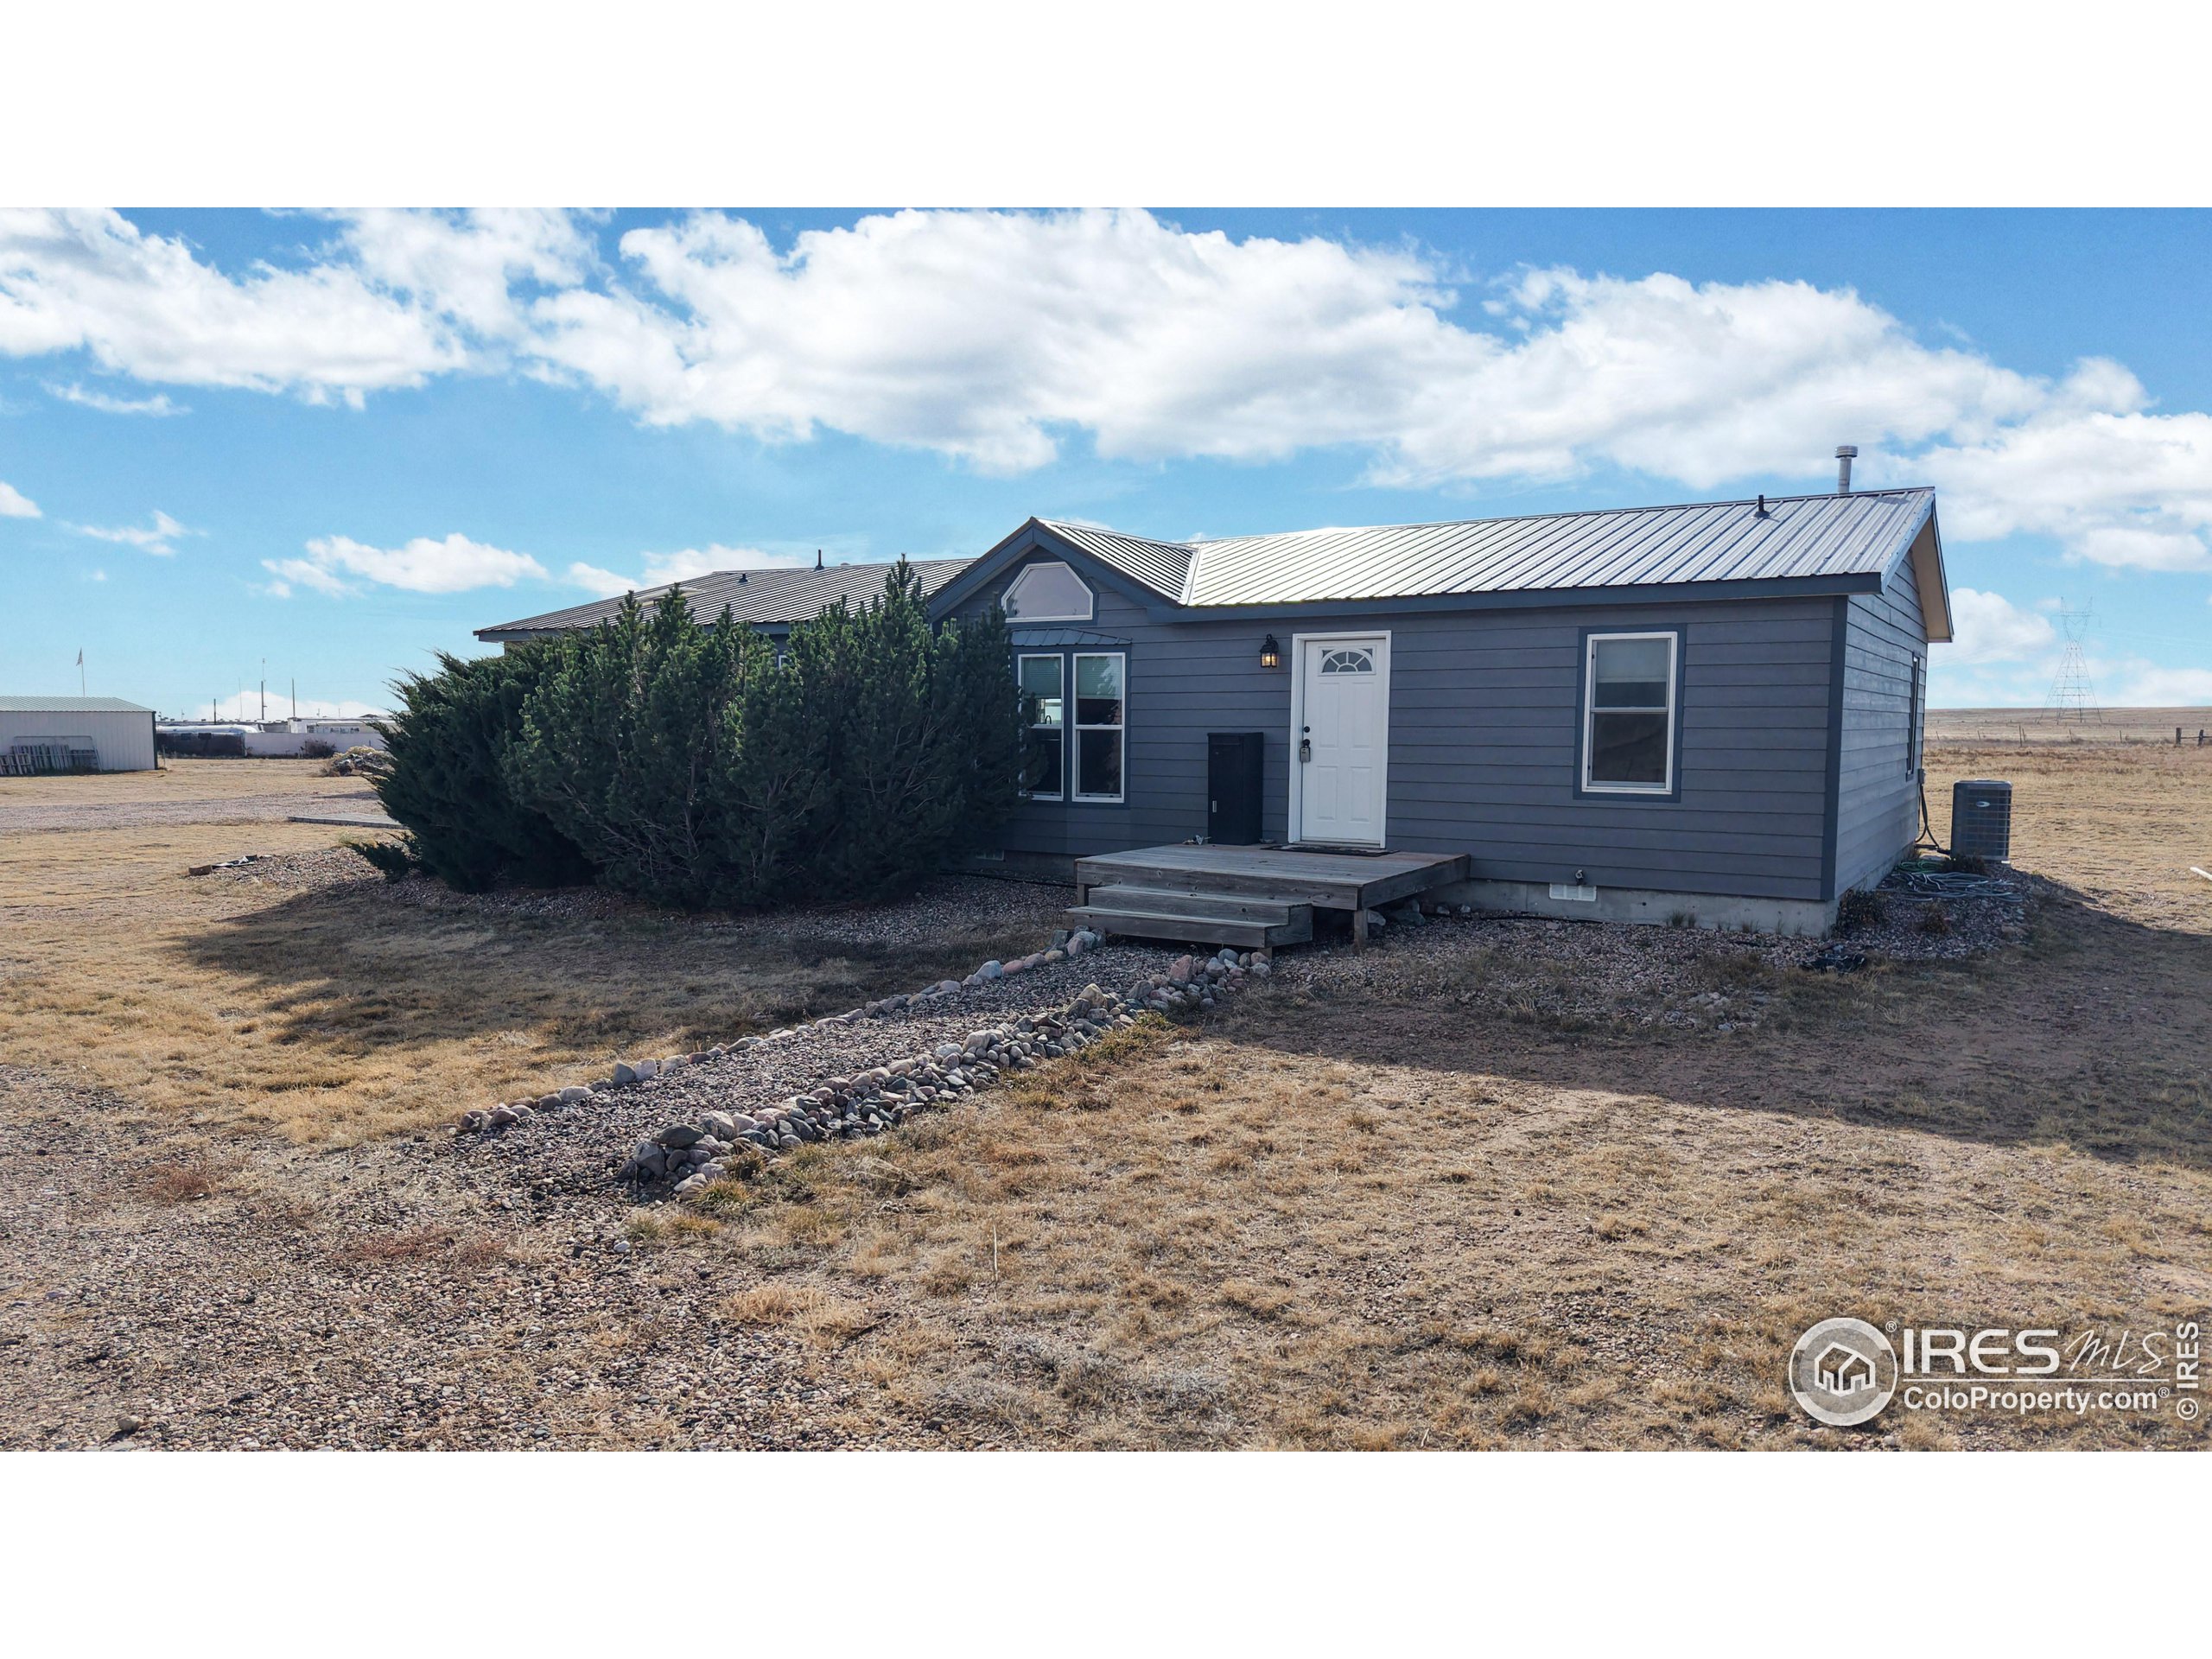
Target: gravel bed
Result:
[1946, 926]
[591, 1137]
[1586, 973]
[1632, 974]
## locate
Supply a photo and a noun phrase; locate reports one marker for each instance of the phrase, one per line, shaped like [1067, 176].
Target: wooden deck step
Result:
[1246, 933]
[1183, 900]
[1329, 882]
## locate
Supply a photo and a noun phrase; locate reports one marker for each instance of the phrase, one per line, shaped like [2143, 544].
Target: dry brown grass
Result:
[334, 1016]
[802, 1310]
[2120, 822]
[187, 1180]
[1355, 1224]
[1954, 728]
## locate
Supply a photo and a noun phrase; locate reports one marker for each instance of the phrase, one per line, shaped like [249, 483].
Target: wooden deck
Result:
[1247, 896]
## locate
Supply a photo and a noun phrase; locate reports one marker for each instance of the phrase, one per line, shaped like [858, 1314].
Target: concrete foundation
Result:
[1803, 916]
[1807, 917]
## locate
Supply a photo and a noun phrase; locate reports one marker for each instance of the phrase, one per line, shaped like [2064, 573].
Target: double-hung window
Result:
[1044, 702]
[1628, 713]
[1100, 681]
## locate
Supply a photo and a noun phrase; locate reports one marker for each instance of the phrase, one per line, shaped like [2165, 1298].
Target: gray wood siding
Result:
[1485, 709]
[1878, 797]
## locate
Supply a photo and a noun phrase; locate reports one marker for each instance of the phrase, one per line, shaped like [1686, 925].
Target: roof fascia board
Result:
[1927, 573]
[1533, 599]
[1930, 578]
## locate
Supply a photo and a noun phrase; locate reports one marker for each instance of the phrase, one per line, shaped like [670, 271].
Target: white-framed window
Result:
[1047, 592]
[1628, 713]
[1914, 736]
[1044, 698]
[1101, 684]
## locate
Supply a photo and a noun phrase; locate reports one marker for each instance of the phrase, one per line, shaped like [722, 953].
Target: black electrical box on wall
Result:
[1233, 787]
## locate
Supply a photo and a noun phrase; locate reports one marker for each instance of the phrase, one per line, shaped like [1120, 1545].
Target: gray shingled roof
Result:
[1719, 541]
[70, 706]
[771, 598]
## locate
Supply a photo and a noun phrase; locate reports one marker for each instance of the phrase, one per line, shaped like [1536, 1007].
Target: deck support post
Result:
[1359, 927]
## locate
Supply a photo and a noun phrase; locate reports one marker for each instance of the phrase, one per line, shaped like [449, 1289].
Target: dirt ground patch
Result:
[1354, 1208]
[308, 996]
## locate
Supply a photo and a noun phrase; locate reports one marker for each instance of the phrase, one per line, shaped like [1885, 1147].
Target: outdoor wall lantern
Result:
[1271, 653]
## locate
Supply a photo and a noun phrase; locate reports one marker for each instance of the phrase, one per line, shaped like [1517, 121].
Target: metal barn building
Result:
[75, 734]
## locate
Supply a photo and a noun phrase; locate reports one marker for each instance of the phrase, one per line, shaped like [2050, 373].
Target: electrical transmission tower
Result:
[2071, 696]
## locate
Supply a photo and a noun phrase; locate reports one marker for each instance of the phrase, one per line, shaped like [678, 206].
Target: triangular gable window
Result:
[1048, 592]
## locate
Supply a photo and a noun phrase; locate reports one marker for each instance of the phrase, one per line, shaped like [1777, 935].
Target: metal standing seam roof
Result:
[1719, 541]
[70, 706]
[773, 597]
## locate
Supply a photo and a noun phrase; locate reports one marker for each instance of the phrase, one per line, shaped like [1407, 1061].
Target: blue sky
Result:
[340, 442]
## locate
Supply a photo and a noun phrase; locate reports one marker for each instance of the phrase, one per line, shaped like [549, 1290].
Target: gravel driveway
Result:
[394, 1296]
[474, 1293]
[24, 817]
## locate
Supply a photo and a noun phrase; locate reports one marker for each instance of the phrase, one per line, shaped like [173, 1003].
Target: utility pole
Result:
[264, 692]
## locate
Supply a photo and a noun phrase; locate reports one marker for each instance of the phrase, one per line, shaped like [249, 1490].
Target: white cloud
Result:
[661, 569]
[159, 538]
[455, 565]
[1990, 628]
[2134, 548]
[989, 335]
[146, 306]
[14, 504]
[998, 338]
[466, 266]
[159, 403]
[2115, 483]
[2150, 686]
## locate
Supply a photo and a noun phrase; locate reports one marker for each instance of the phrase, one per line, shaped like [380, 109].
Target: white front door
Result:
[1339, 767]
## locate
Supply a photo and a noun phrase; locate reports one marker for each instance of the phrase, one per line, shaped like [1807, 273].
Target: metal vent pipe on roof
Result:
[1845, 455]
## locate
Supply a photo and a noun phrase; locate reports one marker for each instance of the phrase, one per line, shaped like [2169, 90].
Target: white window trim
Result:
[1076, 725]
[1590, 711]
[1089, 599]
[1061, 793]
